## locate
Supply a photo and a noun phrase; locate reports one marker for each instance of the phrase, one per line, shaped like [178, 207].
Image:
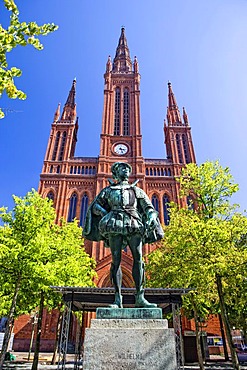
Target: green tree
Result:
[17, 33]
[203, 244]
[37, 253]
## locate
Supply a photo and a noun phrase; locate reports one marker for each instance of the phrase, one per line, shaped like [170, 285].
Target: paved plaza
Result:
[21, 363]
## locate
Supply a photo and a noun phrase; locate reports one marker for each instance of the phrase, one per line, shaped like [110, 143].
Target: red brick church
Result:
[72, 182]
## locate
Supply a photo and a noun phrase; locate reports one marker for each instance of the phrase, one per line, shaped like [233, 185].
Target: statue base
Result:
[129, 343]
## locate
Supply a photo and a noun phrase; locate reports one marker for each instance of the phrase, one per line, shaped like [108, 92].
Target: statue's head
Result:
[121, 170]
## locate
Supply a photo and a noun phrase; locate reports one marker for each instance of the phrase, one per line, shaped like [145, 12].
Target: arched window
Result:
[71, 169]
[126, 112]
[54, 155]
[79, 170]
[90, 170]
[154, 171]
[180, 157]
[169, 172]
[186, 151]
[51, 169]
[86, 170]
[58, 169]
[75, 169]
[190, 203]
[50, 195]
[82, 170]
[166, 206]
[158, 171]
[117, 112]
[151, 172]
[62, 146]
[155, 202]
[147, 172]
[72, 207]
[84, 207]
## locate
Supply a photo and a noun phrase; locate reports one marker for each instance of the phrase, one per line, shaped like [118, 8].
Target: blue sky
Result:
[200, 46]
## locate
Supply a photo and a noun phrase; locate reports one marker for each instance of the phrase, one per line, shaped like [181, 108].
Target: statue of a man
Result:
[123, 215]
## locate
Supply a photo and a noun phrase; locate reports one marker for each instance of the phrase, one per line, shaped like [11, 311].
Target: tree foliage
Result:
[37, 253]
[17, 33]
[204, 246]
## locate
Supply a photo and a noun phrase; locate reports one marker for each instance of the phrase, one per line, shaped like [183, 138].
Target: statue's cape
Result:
[91, 226]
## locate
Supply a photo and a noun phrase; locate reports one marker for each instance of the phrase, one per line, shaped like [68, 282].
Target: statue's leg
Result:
[115, 243]
[135, 244]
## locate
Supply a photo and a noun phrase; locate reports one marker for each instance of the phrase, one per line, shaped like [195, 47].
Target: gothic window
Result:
[58, 169]
[71, 169]
[166, 206]
[54, 155]
[90, 170]
[86, 171]
[50, 195]
[126, 112]
[79, 170]
[117, 112]
[162, 172]
[151, 172]
[75, 168]
[147, 173]
[155, 202]
[72, 207]
[186, 151]
[180, 157]
[84, 207]
[154, 171]
[82, 170]
[158, 172]
[62, 147]
[190, 203]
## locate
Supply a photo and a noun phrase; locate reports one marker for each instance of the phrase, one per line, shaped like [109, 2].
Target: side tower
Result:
[178, 139]
[60, 149]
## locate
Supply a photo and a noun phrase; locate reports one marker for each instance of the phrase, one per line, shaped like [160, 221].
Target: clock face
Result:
[120, 149]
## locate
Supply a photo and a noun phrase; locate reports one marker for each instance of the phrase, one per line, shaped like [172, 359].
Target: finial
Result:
[57, 113]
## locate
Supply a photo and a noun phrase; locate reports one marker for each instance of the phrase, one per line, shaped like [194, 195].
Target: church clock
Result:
[120, 149]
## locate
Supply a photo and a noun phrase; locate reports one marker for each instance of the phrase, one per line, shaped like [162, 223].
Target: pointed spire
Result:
[173, 113]
[57, 113]
[185, 117]
[69, 110]
[122, 61]
[109, 64]
[71, 97]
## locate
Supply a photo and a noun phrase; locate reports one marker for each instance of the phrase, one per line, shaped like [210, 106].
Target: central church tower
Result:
[121, 138]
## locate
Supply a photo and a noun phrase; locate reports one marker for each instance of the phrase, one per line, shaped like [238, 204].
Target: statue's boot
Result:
[141, 302]
[118, 301]
[116, 278]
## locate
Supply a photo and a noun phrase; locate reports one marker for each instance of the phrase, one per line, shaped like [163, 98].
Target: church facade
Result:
[72, 182]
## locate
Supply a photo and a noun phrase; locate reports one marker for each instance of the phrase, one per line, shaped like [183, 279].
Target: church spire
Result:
[122, 61]
[69, 110]
[173, 113]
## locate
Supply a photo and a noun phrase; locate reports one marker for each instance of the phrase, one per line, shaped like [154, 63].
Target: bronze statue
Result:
[121, 215]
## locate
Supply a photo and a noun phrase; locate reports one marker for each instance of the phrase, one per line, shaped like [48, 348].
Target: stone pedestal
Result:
[129, 343]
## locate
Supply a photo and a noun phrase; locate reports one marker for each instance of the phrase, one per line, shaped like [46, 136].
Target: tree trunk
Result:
[9, 324]
[58, 328]
[235, 362]
[38, 337]
[198, 338]
[223, 338]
